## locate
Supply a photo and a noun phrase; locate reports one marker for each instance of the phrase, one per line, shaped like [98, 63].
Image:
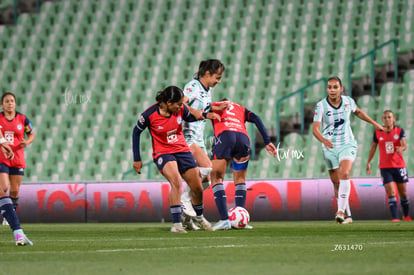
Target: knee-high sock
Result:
[343, 194]
[392, 204]
[405, 206]
[240, 194]
[221, 200]
[8, 212]
[186, 195]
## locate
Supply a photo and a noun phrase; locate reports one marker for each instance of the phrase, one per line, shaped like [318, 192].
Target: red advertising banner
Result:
[267, 200]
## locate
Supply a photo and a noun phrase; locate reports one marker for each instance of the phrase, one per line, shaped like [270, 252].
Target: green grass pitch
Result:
[306, 247]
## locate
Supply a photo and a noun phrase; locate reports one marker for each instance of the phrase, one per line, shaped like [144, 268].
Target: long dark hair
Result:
[209, 65]
[170, 94]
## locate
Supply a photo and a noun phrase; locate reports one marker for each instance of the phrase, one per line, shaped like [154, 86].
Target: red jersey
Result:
[387, 143]
[14, 132]
[166, 132]
[232, 119]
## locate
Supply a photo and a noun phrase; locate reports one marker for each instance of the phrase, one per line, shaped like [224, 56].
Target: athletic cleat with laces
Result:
[5, 222]
[347, 220]
[188, 223]
[222, 225]
[407, 218]
[339, 216]
[187, 208]
[395, 220]
[178, 228]
[248, 226]
[205, 224]
[20, 238]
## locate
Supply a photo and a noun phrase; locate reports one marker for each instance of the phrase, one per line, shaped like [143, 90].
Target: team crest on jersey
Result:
[179, 120]
[346, 107]
[141, 119]
[19, 126]
[396, 136]
[9, 136]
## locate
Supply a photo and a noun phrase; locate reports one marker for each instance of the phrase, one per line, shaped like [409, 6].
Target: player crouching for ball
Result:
[171, 153]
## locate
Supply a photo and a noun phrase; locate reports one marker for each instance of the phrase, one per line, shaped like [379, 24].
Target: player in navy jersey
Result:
[232, 143]
[392, 143]
[171, 153]
[13, 126]
[339, 146]
[198, 96]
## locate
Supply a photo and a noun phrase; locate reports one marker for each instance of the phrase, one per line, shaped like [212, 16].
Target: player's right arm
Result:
[316, 126]
[371, 154]
[142, 123]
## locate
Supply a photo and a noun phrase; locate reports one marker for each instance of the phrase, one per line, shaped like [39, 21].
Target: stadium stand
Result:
[83, 71]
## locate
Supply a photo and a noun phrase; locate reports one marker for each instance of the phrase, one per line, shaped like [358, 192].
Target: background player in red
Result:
[391, 142]
[13, 126]
[232, 143]
[171, 153]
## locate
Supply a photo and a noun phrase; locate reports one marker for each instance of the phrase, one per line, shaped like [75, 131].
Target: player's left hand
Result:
[271, 149]
[23, 143]
[213, 116]
[399, 149]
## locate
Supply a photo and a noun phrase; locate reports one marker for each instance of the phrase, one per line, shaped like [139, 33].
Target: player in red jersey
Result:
[14, 126]
[171, 153]
[232, 143]
[392, 142]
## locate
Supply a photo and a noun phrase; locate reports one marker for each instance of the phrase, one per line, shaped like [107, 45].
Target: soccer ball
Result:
[239, 217]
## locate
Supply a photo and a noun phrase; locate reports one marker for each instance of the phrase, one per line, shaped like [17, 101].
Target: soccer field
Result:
[311, 247]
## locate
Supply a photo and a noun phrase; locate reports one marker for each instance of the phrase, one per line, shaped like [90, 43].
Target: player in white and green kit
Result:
[198, 93]
[339, 146]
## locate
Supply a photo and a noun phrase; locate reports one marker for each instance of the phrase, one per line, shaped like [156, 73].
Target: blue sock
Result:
[240, 195]
[405, 206]
[8, 212]
[198, 209]
[175, 213]
[221, 200]
[392, 203]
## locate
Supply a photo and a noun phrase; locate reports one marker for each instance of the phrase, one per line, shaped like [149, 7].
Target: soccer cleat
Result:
[222, 225]
[248, 226]
[395, 220]
[21, 238]
[347, 220]
[178, 228]
[187, 208]
[407, 218]
[339, 216]
[204, 172]
[205, 224]
[5, 222]
[188, 223]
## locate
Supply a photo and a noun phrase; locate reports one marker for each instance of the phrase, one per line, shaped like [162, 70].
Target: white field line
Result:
[129, 250]
[138, 239]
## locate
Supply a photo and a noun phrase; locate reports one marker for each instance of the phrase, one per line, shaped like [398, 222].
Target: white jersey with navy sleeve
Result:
[335, 122]
[198, 98]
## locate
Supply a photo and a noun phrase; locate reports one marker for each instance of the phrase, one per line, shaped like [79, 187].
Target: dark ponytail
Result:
[170, 94]
[210, 65]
